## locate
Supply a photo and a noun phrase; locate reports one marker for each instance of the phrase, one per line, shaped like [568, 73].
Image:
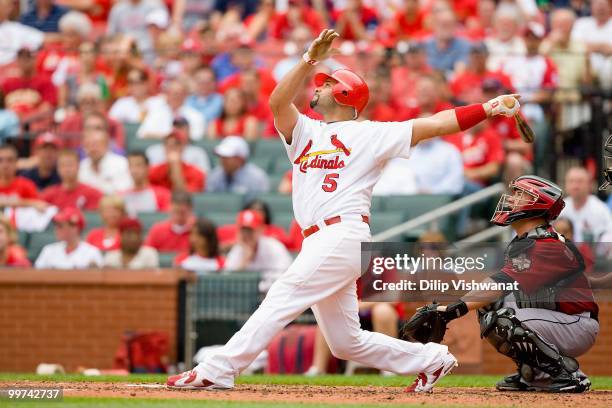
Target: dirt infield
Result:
[331, 394]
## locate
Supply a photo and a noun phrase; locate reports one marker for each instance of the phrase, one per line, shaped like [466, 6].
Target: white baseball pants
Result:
[323, 276]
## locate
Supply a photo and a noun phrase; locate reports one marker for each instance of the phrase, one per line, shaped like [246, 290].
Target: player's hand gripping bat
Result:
[524, 129]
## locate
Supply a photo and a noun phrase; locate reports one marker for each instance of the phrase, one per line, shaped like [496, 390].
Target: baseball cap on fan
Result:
[233, 146]
[46, 139]
[249, 219]
[71, 215]
[158, 18]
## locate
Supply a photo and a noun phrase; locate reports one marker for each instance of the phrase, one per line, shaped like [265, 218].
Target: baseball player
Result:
[336, 163]
[552, 318]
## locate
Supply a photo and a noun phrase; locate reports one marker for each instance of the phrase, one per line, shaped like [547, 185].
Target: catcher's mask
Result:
[529, 197]
[607, 171]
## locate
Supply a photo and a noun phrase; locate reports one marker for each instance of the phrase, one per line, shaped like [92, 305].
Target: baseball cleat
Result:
[425, 381]
[191, 380]
[564, 383]
[512, 383]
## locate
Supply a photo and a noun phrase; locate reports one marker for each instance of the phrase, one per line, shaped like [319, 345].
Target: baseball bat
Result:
[524, 129]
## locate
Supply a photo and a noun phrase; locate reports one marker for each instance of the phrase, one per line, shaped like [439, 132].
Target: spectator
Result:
[506, 42]
[131, 254]
[295, 47]
[572, 63]
[228, 233]
[204, 255]
[128, 17]
[589, 216]
[235, 174]
[397, 178]
[483, 155]
[257, 101]
[206, 100]
[175, 174]
[481, 26]
[144, 197]
[355, 22]
[429, 97]
[91, 113]
[235, 119]
[298, 13]
[101, 167]
[445, 51]
[191, 154]
[61, 57]
[187, 13]
[256, 252]
[107, 237]
[596, 32]
[132, 107]
[16, 191]
[44, 16]
[15, 36]
[164, 108]
[70, 252]
[11, 254]
[466, 85]
[44, 172]
[32, 97]
[172, 235]
[437, 166]
[406, 76]
[71, 193]
[9, 122]
[406, 24]
[97, 10]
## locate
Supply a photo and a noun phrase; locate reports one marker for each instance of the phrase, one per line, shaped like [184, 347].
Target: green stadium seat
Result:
[37, 241]
[130, 130]
[282, 219]
[282, 164]
[378, 204]
[225, 297]
[166, 259]
[208, 145]
[92, 220]
[23, 239]
[414, 205]
[214, 202]
[277, 202]
[140, 145]
[381, 221]
[149, 218]
[264, 163]
[272, 148]
[221, 217]
[275, 179]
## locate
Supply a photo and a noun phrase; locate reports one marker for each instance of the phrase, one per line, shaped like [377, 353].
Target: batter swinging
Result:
[336, 163]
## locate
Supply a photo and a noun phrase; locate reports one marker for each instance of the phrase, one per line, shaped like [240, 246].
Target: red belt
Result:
[330, 221]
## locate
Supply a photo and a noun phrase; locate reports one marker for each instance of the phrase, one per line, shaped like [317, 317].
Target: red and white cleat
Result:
[425, 381]
[191, 380]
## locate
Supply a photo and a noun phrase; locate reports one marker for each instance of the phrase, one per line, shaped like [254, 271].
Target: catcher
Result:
[551, 319]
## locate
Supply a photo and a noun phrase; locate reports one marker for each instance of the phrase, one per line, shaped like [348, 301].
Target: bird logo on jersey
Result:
[313, 160]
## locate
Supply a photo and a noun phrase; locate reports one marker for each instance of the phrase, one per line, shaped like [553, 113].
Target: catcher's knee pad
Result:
[511, 338]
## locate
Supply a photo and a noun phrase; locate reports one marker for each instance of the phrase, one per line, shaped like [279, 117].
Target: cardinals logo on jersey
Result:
[315, 160]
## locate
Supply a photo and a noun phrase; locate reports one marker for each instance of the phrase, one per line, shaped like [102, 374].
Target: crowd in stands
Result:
[82, 81]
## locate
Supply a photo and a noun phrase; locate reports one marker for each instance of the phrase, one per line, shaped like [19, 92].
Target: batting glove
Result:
[507, 105]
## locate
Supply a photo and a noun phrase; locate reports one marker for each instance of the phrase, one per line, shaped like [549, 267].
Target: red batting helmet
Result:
[530, 197]
[351, 89]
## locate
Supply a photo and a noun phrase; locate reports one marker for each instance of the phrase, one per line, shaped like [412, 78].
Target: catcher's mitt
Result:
[428, 324]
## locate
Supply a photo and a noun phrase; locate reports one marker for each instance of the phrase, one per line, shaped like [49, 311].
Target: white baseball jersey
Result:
[54, 256]
[335, 165]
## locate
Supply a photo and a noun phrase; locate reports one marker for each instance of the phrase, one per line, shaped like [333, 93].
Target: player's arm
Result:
[462, 118]
[281, 100]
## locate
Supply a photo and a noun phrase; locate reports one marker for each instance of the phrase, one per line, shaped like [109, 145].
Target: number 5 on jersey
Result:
[329, 183]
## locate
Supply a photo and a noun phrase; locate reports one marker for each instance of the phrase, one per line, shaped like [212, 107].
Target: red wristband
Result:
[471, 115]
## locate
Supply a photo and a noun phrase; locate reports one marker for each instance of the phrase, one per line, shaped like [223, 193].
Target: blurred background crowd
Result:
[137, 133]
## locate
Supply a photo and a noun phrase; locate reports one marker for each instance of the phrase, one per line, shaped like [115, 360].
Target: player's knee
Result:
[346, 348]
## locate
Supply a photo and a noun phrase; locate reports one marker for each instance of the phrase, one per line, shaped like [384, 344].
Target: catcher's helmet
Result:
[607, 171]
[529, 197]
[351, 89]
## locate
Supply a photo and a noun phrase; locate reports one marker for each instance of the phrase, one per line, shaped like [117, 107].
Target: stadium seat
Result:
[233, 296]
[38, 241]
[140, 145]
[149, 218]
[282, 164]
[214, 202]
[166, 259]
[130, 130]
[92, 220]
[415, 205]
[283, 219]
[381, 221]
[272, 148]
[275, 179]
[277, 202]
[221, 217]
[264, 163]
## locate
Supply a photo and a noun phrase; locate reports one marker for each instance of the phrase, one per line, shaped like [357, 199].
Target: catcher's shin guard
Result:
[507, 334]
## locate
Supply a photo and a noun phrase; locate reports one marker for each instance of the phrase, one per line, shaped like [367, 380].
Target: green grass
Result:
[330, 380]
[73, 402]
